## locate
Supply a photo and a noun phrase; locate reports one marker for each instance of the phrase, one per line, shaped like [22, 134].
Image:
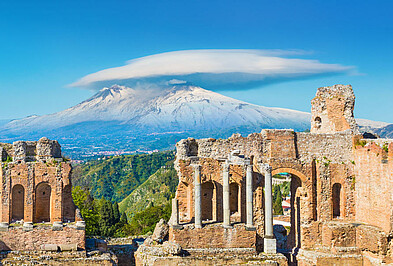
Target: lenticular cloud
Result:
[214, 67]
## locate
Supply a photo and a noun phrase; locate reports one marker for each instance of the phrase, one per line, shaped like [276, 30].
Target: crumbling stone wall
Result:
[318, 161]
[36, 188]
[33, 176]
[373, 184]
[332, 110]
[214, 236]
[41, 238]
[337, 179]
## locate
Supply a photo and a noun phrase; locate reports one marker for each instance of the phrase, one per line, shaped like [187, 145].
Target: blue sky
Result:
[46, 45]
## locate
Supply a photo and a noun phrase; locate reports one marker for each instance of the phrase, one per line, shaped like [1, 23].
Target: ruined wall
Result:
[337, 180]
[332, 110]
[214, 236]
[16, 238]
[316, 161]
[29, 151]
[374, 184]
[38, 178]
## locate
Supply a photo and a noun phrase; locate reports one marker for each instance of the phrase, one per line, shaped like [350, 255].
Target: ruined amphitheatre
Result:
[341, 203]
[341, 187]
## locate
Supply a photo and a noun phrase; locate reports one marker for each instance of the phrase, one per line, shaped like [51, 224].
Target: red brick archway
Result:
[298, 181]
[18, 203]
[42, 203]
[292, 171]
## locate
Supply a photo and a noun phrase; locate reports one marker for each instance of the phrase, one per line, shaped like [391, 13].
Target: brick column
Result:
[197, 196]
[225, 195]
[56, 197]
[29, 195]
[269, 240]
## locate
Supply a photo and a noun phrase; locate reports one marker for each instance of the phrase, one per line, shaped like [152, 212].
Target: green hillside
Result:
[155, 191]
[117, 177]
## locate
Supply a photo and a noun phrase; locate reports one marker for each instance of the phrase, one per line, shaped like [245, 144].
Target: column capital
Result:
[247, 161]
[196, 166]
[267, 167]
[225, 166]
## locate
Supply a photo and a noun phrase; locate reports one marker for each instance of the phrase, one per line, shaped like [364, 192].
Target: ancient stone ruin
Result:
[36, 209]
[341, 187]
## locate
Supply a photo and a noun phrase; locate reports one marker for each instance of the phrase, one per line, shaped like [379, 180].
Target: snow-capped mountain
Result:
[122, 118]
[176, 108]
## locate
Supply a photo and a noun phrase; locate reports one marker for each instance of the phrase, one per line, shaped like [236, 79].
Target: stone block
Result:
[4, 226]
[372, 239]
[213, 236]
[68, 247]
[28, 226]
[80, 225]
[337, 234]
[57, 226]
[49, 247]
[270, 245]
[101, 245]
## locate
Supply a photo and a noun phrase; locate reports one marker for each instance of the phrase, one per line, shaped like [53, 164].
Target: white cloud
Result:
[216, 67]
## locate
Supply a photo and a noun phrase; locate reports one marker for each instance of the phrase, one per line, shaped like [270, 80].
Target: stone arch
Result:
[185, 195]
[18, 203]
[318, 122]
[292, 171]
[42, 203]
[207, 189]
[298, 180]
[234, 197]
[336, 200]
[68, 204]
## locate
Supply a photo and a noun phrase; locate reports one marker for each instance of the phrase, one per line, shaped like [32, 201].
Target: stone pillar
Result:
[269, 240]
[175, 212]
[249, 199]
[174, 221]
[197, 196]
[225, 195]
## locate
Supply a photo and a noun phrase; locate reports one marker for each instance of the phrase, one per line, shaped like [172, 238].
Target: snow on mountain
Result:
[370, 124]
[125, 119]
[176, 108]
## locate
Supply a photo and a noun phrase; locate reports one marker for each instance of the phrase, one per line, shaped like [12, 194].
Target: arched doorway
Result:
[42, 203]
[68, 205]
[336, 198]
[234, 198]
[184, 191]
[294, 236]
[292, 198]
[207, 200]
[234, 202]
[18, 203]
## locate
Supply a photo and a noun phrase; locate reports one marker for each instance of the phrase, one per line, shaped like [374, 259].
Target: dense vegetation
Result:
[148, 200]
[116, 177]
[157, 190]
[103, 218]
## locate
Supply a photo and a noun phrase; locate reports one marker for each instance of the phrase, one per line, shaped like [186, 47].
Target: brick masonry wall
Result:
[374, 185]
[318, 161]
[15, 238]
[213, 236]
[32, 175]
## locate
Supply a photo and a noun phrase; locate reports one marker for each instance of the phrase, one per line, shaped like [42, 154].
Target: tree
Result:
[286, 189]
[276, 189]
[277, 205]
[86, 205]
[116, 213]
[106, 217]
